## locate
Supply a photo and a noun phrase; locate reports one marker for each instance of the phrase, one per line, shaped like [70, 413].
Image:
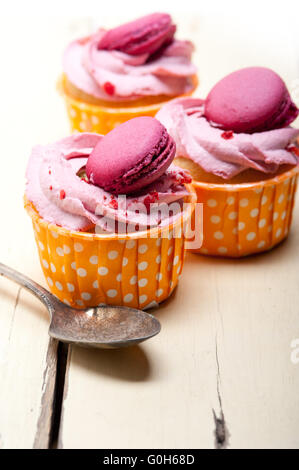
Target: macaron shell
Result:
[147, 172]
[250, 100]
[144, 35]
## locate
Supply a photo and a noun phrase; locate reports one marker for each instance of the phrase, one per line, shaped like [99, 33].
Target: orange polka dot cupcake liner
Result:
[137, 270]
[85, 117]
[248, 218]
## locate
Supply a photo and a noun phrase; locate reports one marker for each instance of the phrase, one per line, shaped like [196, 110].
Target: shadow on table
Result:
[196, 267]
[129, 364]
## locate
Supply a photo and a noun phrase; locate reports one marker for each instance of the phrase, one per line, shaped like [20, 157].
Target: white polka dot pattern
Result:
[59, 251]
[142, 249]
[159, 292]
[86, 296]
[244, 202]
[103, 271]
[128, 298]
[218, 235]
[142, 282]
[78, 247]
[82, 272]
[113, 254]
[112, 293]
[142, 299]
[142, 266]
[212, 202]
[215, 219]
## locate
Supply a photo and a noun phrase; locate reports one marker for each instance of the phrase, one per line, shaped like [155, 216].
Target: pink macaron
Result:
[143, 36]
[253, 99]
[131, 156]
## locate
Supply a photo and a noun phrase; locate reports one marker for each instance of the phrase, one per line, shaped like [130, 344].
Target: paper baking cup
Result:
[86, 269]
[85, 117]
[242, 219]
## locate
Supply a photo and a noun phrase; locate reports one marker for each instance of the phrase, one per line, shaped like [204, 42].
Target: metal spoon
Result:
[105, 327]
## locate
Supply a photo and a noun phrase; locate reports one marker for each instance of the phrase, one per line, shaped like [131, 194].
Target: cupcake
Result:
[109, 215]
[126, 72]
[243, 157]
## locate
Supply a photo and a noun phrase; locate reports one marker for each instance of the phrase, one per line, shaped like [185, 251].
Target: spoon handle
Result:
[30, 285]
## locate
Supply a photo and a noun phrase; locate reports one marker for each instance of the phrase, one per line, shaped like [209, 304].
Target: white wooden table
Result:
[220, 373]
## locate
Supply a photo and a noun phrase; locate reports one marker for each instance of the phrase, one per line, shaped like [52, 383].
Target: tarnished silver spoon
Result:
[107, 327]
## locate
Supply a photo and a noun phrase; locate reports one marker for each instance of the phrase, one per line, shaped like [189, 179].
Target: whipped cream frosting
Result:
[225, 154]
[62, 197]
[129, 77]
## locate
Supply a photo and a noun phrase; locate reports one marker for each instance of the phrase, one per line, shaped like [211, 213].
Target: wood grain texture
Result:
[220, 365]
[44, 425]
[219, 374]
[28, 116]
[25, 370]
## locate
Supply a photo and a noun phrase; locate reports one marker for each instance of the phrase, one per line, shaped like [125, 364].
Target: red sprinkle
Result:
[49, 172]
[183, 178]
[293, 149]
[155, 195]
[62, 194]
[227, 135]
[150, 199]
[109, 88]
[51, 187]
[187, 178]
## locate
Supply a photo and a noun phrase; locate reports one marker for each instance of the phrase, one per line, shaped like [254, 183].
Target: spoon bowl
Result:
[107, 327]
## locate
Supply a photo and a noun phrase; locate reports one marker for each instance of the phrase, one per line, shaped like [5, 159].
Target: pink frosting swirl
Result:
[225, 154]
[62, 197]
[132, 77]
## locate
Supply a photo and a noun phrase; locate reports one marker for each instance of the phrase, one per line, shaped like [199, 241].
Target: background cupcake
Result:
[243, 158]
[131, 70]
[90, 199]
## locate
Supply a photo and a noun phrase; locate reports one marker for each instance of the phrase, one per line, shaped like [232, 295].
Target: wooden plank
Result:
[227, 351]
[259, 381]
[145, 396]
[27, 370]
[32, 112]
[29, 108]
